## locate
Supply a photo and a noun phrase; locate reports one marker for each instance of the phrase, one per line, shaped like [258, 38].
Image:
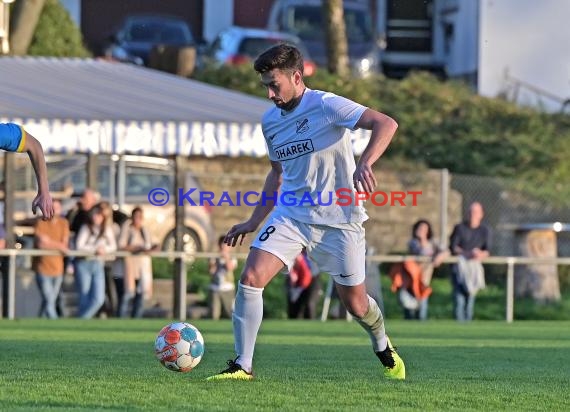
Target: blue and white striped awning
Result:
[94, 106]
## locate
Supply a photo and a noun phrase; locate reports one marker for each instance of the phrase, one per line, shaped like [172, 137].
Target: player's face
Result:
[281, 86]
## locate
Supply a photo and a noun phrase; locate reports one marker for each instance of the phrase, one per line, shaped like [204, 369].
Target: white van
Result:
[125, 181]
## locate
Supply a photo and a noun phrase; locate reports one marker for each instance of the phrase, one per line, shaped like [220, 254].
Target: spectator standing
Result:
[79, 215]
[136, 283]
[53, 235]
[111, 305]
[96, 237]
[471, 241]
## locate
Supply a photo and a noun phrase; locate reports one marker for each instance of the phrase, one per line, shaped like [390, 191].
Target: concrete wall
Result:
[389, 227]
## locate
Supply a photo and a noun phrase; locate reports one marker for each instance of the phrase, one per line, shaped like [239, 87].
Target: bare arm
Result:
[45, 242]
[84, 241]
[440, 257]
[479, 254]
[123, 243]
[43, 199]
[272, 185]
[383, 129]
[262, 209]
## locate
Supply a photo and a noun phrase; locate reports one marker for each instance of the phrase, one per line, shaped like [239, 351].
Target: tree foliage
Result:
[56, 34]
[446, 125]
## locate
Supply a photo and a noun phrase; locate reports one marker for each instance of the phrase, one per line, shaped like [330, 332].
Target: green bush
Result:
[56, 34]
[198, 281]
[446, 125]
[490, 302]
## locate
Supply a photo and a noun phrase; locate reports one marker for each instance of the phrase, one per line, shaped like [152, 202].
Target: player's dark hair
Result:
[283, 56]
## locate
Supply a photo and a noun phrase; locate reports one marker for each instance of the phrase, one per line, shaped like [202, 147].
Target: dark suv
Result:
[138, 35]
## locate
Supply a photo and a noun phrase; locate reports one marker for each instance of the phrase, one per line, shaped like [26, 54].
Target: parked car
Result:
[239, 45]
[304, 18]
[139, 34]
[125, 181]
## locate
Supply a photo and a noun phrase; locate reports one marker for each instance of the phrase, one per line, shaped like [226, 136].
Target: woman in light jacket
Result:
[98, 238]
[137, 279]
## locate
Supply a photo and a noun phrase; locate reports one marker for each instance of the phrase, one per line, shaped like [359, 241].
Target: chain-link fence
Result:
[512, 212]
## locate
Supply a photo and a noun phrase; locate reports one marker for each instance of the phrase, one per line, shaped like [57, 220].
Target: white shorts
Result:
[338, 250]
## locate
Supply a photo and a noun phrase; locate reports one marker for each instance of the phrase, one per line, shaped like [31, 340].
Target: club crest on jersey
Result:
[302, 126]
[293, 150]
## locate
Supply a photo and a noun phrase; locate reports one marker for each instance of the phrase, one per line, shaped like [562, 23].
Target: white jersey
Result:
[312, 143]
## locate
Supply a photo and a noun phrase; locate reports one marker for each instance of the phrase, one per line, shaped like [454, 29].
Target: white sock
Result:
[247, 317]
[373, 323]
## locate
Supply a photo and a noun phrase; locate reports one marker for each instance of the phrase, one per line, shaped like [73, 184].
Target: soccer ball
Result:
[179, 346]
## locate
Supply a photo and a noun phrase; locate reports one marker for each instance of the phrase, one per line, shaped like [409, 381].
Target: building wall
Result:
[100, 18]
[252, 13]
[459, 47]
[218, 15]
[255, 13]
[526, 40]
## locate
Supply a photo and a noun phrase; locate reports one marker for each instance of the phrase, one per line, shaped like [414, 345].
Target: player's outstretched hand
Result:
[44, 203]
[238, 232]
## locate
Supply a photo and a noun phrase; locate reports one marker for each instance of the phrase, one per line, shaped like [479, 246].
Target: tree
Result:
[56, 34]
[335, 28]
[24, 18]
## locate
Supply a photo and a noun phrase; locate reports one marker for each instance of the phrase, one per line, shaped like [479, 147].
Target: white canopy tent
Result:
[95, 106]
[99, 107]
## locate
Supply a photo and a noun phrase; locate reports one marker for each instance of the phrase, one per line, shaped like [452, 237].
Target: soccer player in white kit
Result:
[307, 136]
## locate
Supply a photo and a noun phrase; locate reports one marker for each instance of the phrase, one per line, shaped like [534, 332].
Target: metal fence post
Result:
[180, 281]
[180, 285]
[443, 201]
[11, 295]
[510, 288]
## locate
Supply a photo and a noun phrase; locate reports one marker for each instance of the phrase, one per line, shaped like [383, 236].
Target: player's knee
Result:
[357, 308]
[252, 277]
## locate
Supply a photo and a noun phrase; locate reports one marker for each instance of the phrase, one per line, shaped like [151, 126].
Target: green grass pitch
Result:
[300, 366]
